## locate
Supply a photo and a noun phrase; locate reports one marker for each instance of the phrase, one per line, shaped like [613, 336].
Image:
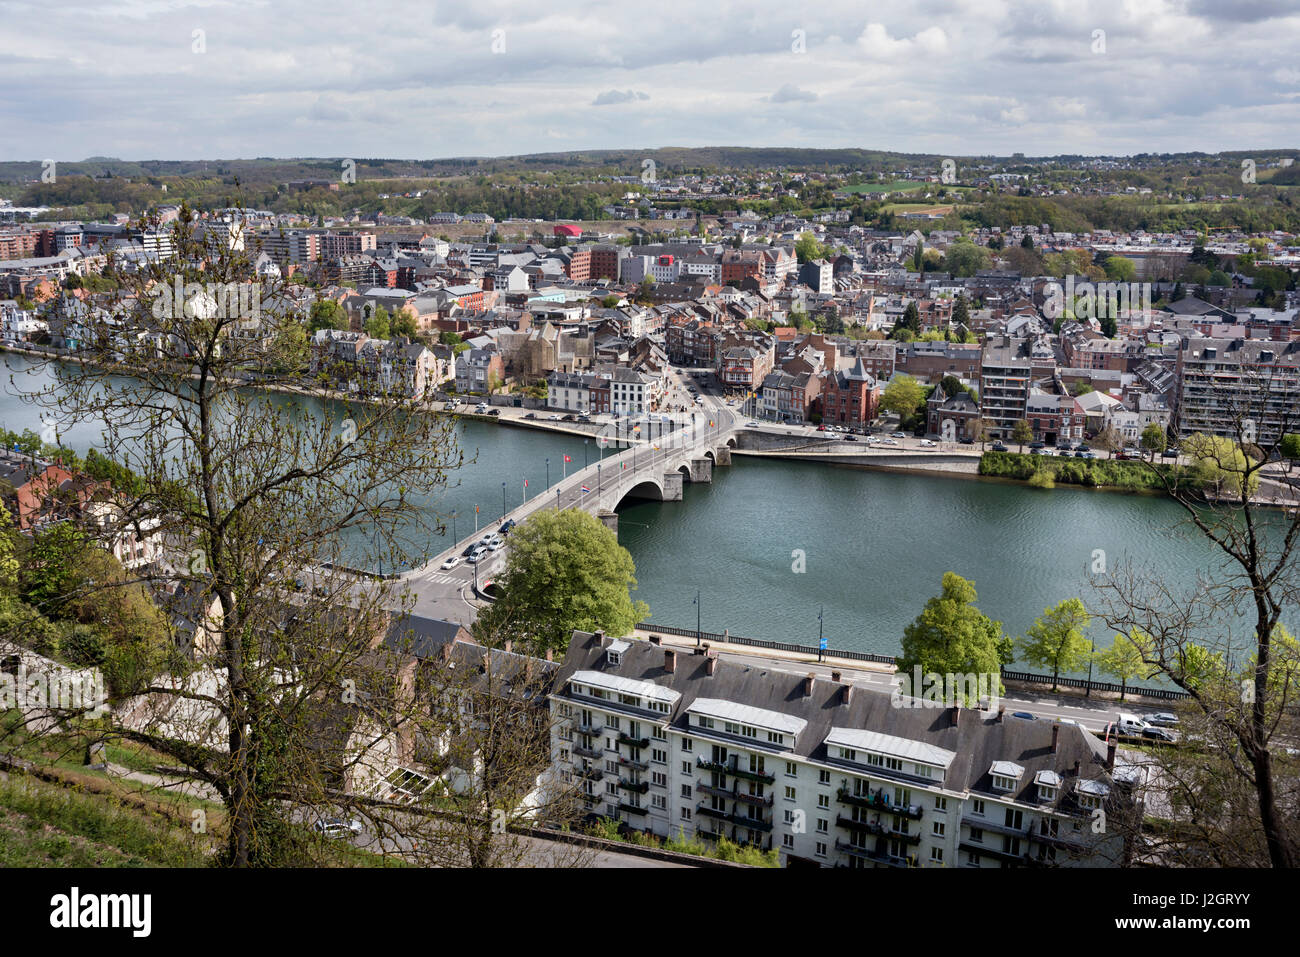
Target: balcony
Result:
[639, 787]
[708, 810]
[996, 828]
[876, 856]
[589, 728]
[753, 823]
[592, 774]
[878, 801]
[878, 829]
[733, 768]
[633, 808]
[633, 742]
[996, 853]
[634, 765]
[594, 753]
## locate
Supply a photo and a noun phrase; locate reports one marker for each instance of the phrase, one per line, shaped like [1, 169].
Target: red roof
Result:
[566, 230]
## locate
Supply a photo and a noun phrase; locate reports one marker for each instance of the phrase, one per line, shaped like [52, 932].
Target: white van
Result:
[1130, 724]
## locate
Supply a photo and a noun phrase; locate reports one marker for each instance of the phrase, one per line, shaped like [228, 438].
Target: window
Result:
[821, 848]
[977, 807]
[787, 840]
[1004, 783]
[686, 768]
[688, 745]
[686, 790]
[823, 825]
[613, 721]
[658, 733]
[791, 769]
[789, 793]
[658, 756]
[936, 855]
[977, 835]
[658, 801]
[938, 828]
[823, 801]
[823, 777]
[686, 814]
[941, 804]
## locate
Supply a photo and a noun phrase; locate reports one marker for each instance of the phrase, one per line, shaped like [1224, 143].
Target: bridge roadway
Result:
[654, 468]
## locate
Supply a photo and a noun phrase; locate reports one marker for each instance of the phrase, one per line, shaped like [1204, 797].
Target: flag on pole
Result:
[567, 459]
[525, 483]
[585, 489]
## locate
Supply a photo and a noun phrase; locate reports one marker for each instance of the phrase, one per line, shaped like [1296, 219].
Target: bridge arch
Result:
[649, 489]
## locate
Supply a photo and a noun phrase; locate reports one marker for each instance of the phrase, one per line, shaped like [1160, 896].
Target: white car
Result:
[553, 418]
[751, 425]
[451, 562]
[337, 827]
[480, 552]
[495, 545]
[927, 443]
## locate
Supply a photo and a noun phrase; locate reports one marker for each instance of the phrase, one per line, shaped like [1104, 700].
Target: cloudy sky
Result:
[133, 79]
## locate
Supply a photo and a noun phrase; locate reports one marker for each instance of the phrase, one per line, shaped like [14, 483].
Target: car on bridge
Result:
[506, 527]
[495, 545]
[451, 562]
[478, 554]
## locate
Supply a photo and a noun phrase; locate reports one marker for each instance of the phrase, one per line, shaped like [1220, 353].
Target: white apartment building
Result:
[826, 773]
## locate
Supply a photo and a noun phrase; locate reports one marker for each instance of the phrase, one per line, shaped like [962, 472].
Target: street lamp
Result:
[599, 487]
[453, 526]
[584, 452]
[699, 635]
[503, 501]
[821, 636]
[548, 472]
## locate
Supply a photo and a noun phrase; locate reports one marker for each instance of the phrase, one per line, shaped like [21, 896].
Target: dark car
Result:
[1080, 455]
[469, 550]
[531, 415]
[1162, 719]
[850, 438]
[505, 529]
[1081, 447]
[567, 418]
[1170, 453]
[494, 411]
[968, 441]
[1158, 734]
[999, 447]
[1024, 714]
[1038, 445]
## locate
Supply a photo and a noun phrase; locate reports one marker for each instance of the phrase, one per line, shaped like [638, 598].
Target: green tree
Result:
[404, 323]
[807, 248]
[327, 314]
[564, 571]
[952, 636]
[964, 258]
[1021, 433]
[376, 326]
[961, 312]
[1289, 448]
[1125, 659]
[1055, 640]
[8, 554]
[1154, 439]
[903, 395]
[1219, 463]
[1120, 269]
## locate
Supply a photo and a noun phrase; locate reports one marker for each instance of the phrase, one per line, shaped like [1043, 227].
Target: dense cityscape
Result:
[697, 508]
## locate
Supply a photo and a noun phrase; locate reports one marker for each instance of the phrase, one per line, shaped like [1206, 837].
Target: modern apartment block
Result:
[827, 773]
[1226, 386]
[1005, 374]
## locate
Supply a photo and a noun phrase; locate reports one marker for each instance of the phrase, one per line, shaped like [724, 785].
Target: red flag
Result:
[567, 459]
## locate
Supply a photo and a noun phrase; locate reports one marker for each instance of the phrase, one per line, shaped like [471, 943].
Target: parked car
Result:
[1158, 734]
[337, 827]
[554, 417]
[850, 438]
[821, 428]
[751, 425]
[451, 562]
[927, 443]
[568, 418]
[1130, 724]
[495, 545]
[477, 555]
[1170, 453]
[968, 441]
[898, 435]
[494, 411]
[1162, 719]
[1024, 714]
[505, 529]
[1038, 445]
[999, 447]
[531, 415]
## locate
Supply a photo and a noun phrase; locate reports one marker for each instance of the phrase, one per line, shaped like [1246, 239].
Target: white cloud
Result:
[792, 94]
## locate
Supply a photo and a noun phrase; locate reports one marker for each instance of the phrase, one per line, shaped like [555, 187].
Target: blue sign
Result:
[822, 644]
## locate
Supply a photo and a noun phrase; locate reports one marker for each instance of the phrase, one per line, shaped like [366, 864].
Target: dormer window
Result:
[1001, 783]
[1049, 785]
[614, 653]
[1006, 775]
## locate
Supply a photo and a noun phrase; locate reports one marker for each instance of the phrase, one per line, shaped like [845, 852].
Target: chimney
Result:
[656, 640]
[550, 655]
[848, 694]
[836, 676]
[670, 660]
[446, 653]
[710, 664]
[808, 684]
[507, 646]
[1076, 769]
[1056, 734]
[1110, 756]
[956, 714]
[600, 639]
[1002, 710]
